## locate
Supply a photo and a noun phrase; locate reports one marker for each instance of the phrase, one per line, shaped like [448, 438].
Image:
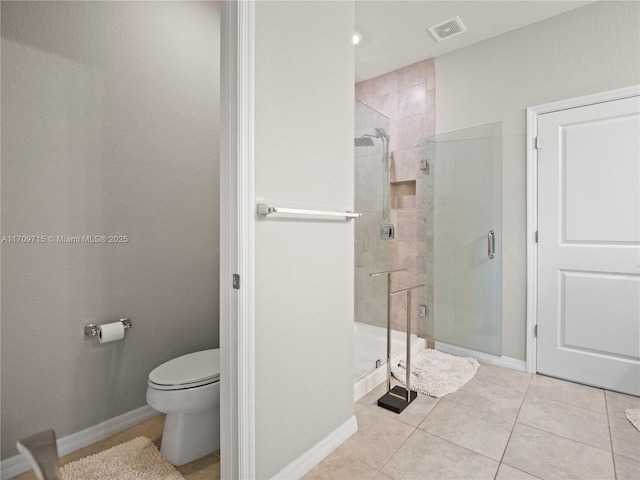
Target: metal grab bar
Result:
[491, 244]
[407, 289]
[387, 271]
[264, 210]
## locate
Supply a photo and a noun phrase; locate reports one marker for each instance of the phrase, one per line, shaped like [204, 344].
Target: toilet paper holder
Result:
[92, 328]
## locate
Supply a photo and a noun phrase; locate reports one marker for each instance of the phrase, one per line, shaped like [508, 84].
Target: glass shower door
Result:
[371, 251]
[466, 241]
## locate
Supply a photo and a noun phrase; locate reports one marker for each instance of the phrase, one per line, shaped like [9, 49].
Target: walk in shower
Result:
[444, 229]
[374, 235]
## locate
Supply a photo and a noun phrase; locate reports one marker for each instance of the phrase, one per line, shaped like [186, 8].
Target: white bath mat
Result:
[137, 459]
[435, 373]
[633, 415]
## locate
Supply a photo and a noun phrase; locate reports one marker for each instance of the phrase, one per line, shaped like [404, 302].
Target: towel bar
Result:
[264, 210]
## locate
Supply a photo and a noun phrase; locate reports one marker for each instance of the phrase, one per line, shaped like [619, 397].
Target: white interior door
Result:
[589, 245]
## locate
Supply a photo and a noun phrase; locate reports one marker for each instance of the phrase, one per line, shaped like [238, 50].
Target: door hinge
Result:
[535, 331]
[236, 281]
[536, 237]
[537, 144]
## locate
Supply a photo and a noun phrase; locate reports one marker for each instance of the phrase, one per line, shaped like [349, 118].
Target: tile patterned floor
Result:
[503, 425]
[205, 468]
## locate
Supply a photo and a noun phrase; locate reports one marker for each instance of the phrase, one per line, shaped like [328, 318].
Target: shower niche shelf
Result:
[403, 195]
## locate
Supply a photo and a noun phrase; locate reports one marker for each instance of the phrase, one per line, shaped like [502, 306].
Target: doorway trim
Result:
[532, 201]
[237, 316]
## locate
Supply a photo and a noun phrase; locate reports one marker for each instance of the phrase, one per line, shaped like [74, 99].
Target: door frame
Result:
[237, 206]
[532, 201]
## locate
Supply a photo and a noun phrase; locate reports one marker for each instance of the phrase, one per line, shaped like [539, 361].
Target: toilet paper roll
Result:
[110, 332]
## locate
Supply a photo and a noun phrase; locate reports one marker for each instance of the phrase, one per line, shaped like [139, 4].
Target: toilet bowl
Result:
[187, 389]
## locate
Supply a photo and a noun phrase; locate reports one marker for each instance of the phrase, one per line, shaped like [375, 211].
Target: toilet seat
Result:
[188, 371]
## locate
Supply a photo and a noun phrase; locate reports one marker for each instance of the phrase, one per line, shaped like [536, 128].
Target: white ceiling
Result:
[394, 32]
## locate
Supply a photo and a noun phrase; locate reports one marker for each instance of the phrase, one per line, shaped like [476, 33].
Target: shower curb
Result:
[370, 381]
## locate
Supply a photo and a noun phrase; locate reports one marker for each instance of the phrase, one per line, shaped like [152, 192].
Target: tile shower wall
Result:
[407, 97]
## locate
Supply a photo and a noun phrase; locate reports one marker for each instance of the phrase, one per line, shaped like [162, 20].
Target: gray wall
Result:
[304, 269]
[588, 50]
[109, 126]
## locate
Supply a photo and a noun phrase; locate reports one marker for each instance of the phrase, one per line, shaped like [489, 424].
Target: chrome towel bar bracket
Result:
[265, 210]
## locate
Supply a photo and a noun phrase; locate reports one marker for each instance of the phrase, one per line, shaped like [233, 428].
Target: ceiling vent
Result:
[447, 29]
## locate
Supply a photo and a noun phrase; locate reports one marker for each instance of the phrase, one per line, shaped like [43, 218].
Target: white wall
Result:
[304, 87]
[588, 50]
[109, 126]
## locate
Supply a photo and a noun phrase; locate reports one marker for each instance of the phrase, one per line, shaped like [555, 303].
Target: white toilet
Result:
[187, 389]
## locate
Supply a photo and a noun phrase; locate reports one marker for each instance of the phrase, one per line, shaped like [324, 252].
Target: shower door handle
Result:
[491, 244]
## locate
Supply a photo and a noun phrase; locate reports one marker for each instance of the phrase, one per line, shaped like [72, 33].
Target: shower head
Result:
[366, 140]
[363, 142]
[380, 133]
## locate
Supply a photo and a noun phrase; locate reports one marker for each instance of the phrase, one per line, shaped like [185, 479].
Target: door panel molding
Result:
[532, 201]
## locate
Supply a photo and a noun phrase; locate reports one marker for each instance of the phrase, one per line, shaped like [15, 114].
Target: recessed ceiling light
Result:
[356, 38]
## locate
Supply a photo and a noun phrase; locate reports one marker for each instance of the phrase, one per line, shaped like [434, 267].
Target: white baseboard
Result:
[16, 465]
[377, 376]
[506, 362]
[305, 462]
